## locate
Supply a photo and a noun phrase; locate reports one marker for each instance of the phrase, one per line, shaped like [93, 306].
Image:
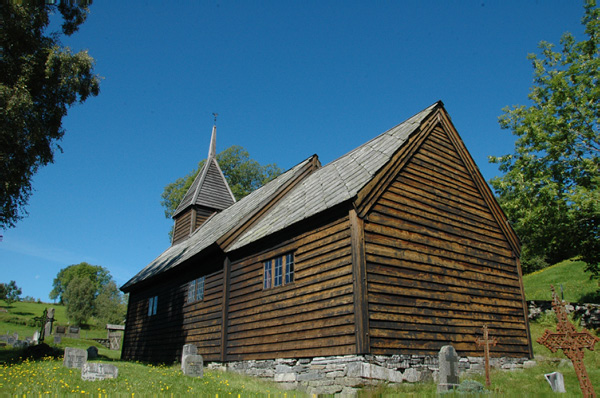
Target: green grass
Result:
[576, 283]
[19, 319]
[48, 377]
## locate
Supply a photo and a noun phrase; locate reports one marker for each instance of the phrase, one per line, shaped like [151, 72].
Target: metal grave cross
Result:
[572, 342]
[486, 342]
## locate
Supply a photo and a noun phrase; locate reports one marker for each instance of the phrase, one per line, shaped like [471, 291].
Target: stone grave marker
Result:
[49, 322]
[448, 374]
[188, 349]
[99, 371]
[11, 340]
[60, 330]
[57, 339]
[92, 352]
[74, 357]
[556, 381]
[193, 365]
[74, 332]
[36, 337]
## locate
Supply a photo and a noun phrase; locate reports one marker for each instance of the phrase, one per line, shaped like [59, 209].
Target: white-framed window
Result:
[196, 290]
[278, 271]
[152, 305]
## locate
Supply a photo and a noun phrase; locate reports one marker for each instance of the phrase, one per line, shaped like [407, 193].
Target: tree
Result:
[10, 292]
[109, 306]
[243, 175]
[551, 187]
[96, 276]
[39, 80]
[79, 298]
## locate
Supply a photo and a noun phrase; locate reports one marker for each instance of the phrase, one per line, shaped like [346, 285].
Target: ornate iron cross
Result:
[572, 342]
[486, 342]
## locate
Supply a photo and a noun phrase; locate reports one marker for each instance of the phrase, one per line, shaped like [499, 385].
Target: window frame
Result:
[152, 305]
[278, 271]
[196, 290]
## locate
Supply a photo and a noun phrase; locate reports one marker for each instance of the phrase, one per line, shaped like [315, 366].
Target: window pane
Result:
[150, 305]
[155, 305]
[191, 291]
[200, 289]
[289, 268]
[267, 275]
[278, 272]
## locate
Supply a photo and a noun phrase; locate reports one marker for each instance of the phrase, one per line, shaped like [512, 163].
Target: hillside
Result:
[576, 283]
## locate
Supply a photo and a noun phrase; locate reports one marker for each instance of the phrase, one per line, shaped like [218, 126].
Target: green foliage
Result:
[100, 297]
[576, 283]
[79, 298]
[243, 175]
[10, 292]
[109, 306]
[39, 80]
[551, 187]
[97, 275]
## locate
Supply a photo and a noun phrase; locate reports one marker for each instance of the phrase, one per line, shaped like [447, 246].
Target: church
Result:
[397, 247]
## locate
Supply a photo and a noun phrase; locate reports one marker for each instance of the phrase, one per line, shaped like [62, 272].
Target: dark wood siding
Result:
[183, 223]
[438, 265]
[160, 338]
[313, 316]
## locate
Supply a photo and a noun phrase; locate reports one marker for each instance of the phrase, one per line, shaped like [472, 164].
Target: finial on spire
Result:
[212, 150]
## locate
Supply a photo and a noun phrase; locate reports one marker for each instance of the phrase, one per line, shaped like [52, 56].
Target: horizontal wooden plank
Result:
[416, 290]
[297, 336]
[439, 229]
[272, 352]
[387, 235]
[403, 304]
[444, 283]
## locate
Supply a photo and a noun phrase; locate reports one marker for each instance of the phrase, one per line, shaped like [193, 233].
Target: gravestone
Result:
[11, 340]
[75, 357]
[448, 374]
[98, 371]
[74, 332]
[556, 381]
[193, 365]
[57, 339]
[92, 352]
[49, 322]
[36, 337]
[60, 330]
[188, 349]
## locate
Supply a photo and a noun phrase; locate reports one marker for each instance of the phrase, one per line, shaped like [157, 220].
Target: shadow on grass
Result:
[591, 298]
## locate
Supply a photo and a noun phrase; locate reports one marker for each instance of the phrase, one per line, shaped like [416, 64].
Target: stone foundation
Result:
[344, 375]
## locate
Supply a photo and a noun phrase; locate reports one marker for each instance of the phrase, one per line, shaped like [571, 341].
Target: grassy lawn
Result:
[576, 283]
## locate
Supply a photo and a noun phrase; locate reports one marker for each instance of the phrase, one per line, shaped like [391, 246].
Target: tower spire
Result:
[212, 150]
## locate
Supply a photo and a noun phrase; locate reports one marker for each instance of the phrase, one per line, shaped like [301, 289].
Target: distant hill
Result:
[576, 283]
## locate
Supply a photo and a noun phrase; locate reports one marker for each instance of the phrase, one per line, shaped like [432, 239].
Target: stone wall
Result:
[587, 314]
[344, 375]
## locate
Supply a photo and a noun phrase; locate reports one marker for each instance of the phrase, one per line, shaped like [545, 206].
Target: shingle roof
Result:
[322, 189]
[334, 183]
[214, 228]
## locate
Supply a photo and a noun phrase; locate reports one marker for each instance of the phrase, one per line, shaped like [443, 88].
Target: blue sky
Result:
[288, 79]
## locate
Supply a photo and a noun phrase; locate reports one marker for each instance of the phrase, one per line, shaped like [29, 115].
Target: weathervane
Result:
[215, 115]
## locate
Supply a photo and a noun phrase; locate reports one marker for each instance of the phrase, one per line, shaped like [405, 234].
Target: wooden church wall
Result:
[313, 316]
[160, 337]
[438, 265]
